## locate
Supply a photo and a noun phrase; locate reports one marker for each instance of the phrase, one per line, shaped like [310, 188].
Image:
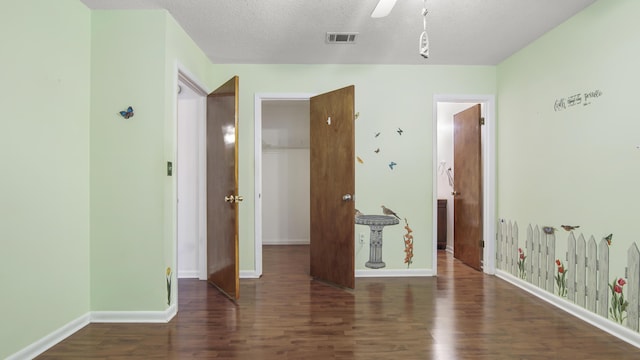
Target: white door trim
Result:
[488, 170]
[259, 98]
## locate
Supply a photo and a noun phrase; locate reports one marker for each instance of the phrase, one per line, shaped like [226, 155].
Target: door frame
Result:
[259, 98]
[184, 77]
[488, 139]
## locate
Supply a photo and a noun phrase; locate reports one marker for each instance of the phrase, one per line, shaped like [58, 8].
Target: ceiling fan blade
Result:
[383, 8]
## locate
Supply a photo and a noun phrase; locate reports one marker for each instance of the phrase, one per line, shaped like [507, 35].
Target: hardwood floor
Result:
[461, 314]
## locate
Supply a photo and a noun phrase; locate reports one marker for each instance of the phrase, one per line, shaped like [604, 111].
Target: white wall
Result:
[285, 172]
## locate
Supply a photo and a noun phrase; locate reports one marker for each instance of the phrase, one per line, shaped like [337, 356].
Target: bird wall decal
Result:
[570, 227]
[387, 211]
[392, 164]
[399, 131]
[608, 238]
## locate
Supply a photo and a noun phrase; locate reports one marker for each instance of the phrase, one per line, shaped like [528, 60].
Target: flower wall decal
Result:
[408, 244]
[618, 308]
[168, 277]
[521, 258]
[561, 279]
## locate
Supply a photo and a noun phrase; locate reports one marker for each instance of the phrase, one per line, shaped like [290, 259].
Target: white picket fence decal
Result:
[586, 269]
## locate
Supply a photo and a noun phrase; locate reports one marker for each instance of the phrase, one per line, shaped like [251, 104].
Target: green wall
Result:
[44, 139]
[134, 62]
[579, 165]
[127, 160]
[387, 97]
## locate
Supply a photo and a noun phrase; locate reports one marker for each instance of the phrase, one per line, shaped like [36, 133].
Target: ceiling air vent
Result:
[341, 38]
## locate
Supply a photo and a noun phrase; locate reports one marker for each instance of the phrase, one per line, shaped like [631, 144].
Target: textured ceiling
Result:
[461, 32]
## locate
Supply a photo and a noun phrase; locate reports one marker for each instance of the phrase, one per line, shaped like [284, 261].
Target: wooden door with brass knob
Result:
[332, 159]
[222, 189]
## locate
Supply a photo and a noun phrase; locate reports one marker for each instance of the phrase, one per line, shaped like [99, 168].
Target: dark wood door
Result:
[332, 170]
[467, 185]
[222, 189]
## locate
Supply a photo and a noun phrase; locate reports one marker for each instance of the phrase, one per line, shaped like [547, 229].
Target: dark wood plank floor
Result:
[461, 314]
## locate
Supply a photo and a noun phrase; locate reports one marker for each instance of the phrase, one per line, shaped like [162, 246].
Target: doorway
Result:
[285, 172]
[331, 156]
[281, 171]
[189, 169]
[445, 107]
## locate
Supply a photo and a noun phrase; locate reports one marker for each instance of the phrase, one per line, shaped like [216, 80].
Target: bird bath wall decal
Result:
[376, 223]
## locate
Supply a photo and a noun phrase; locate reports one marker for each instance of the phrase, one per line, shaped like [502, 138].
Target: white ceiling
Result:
[461, 32]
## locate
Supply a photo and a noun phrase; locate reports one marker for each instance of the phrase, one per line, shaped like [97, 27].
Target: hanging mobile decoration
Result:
[423, 45]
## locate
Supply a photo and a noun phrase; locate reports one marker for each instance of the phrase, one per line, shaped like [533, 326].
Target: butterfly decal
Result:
[360, 160]
[128, 113]
[376, 150]
[608, 238]
[548, 230]
[399, 131]
[392, 164]
[377, 134]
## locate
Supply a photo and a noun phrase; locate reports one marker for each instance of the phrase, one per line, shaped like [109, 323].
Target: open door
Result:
[332, 181]
[467, 185]
[222, 189]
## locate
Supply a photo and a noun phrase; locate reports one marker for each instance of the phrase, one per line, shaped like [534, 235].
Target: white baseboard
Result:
[52, 339]
[285, 241]
[134, 316]
[249, 274]
[69, 329]
[394, 273]
[596, 320]
[188, 274]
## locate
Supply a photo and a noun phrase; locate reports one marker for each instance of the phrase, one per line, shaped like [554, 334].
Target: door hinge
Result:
[481, 121]
[482, 244]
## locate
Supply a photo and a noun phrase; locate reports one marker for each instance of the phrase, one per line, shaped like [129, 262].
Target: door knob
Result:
[454, 193]
[233, 199]
[347, 197]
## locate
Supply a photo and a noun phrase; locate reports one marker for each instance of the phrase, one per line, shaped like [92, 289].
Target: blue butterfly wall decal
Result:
[128, 113]
[392, 164]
